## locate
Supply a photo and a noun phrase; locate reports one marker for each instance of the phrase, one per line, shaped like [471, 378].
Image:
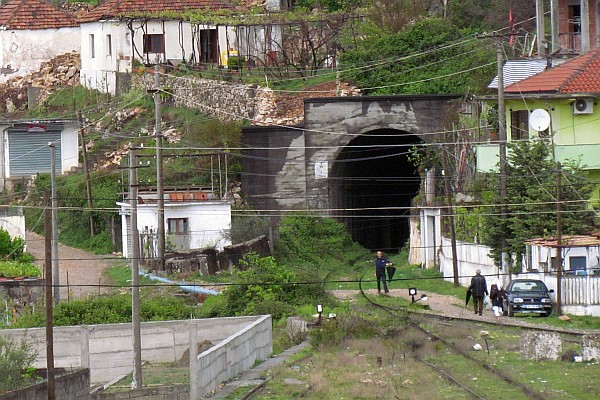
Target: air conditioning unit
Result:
[583, 106]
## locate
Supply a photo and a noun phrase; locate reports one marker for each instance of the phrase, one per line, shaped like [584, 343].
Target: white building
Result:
[31, 32]
[193, 220]
[26, 151]
[580, 255]
[112, 43]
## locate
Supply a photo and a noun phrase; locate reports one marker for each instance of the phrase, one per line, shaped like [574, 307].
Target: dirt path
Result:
[77, 267]
[450, 306]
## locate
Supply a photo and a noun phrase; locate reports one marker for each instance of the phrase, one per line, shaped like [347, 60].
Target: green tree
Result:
[531, 201]
[430, 56]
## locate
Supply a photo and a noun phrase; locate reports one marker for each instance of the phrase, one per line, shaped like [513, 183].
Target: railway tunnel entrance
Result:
[372, 184]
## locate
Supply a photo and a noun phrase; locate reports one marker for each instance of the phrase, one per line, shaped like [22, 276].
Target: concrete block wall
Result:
[231, 357]
[107, 350]
[69, 386]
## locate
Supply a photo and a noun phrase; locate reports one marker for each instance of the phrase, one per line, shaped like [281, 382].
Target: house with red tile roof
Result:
[31, 32]
[119, 34]
[569, 96]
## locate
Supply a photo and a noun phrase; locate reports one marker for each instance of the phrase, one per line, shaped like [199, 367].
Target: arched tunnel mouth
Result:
[372, 185]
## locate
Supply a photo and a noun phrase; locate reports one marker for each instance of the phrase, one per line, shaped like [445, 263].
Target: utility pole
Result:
[55, 266]
[554, 25]
[558, 240]
[160, 191]
[88, 183]
[502, 138]
[450, 216]
[135, 276]
[540, 28]
[49, 302]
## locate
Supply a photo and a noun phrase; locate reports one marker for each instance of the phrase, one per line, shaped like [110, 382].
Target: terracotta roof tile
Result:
[580, 75]
[121, 8]
[34, 14]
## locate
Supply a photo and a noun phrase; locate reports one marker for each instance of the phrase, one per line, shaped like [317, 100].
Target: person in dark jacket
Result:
[496, 296]
[380, 263]
[478, 289]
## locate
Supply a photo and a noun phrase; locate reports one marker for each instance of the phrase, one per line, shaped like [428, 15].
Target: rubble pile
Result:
[287, 108]
[62, 70]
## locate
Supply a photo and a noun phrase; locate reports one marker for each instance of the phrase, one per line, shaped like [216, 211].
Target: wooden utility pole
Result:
[160, 191]
[450, 212]
[88, 181]
[48, 298]
[135, 276]
[558, 240]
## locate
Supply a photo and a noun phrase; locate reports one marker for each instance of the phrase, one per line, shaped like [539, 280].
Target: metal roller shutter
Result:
[30, 154]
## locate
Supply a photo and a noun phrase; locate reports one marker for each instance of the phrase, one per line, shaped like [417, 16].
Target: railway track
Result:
[513, 388]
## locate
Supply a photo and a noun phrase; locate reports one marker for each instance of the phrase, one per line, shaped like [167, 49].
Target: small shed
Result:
[194, 219]
[580, 254]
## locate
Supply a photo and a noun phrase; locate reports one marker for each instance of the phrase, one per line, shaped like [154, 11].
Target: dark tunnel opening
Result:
[372, 184]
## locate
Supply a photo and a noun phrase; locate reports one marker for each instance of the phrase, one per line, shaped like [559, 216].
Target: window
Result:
[519, 124]
[154, 43]
[108, 45]
[92, 47]
[574, 18]
[577, 263]
[178, 225]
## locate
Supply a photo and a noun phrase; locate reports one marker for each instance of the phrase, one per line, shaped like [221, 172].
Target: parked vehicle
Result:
[527, 296]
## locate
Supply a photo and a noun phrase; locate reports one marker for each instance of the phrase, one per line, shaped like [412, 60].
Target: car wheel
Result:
[547, 313]
[511, 312]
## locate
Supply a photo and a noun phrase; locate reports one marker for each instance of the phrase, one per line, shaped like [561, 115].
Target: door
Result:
[29, 153]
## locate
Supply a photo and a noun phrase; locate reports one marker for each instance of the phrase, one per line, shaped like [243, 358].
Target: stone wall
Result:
[219, 99]
[69, 386]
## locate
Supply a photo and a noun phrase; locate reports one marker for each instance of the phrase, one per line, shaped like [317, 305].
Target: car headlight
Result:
[517, 300]
[546, 301]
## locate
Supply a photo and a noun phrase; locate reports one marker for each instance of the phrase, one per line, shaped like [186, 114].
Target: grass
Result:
[351, 370]
[121, 276]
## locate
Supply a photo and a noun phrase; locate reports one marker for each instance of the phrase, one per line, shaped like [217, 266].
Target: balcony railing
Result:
[570, 42]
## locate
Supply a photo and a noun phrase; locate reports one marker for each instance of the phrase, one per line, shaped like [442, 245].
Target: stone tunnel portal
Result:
[372, 184]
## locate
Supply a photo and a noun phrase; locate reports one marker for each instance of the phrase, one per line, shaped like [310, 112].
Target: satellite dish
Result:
[539, 120]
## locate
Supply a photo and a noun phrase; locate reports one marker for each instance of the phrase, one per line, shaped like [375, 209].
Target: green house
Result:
[570, 94]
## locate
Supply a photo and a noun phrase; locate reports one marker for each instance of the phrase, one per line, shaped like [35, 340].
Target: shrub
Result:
[308, 239]
[16, 360]
[345, 326]
[13, 269]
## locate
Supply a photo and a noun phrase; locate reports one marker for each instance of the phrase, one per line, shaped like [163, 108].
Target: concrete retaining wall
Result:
[231, 357]
[107, 350]
[69, 386]
[470, 258]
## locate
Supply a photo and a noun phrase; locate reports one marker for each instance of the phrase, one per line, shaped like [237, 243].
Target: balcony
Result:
[570, 42]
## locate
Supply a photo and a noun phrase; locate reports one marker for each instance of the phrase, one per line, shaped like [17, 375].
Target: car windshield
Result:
[528, 286]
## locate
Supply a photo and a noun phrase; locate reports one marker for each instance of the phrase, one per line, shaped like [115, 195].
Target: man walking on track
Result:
[478, 289]
[380, 263]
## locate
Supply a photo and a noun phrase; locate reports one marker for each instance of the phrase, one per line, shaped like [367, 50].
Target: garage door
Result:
[30, 154]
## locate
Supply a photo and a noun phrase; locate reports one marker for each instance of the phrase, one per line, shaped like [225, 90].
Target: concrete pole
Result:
[86, 166]
[502, 139]
[540, 28]
[554, 24]
[160, 191]
[135, 276]
[585, 26]
[49, 302]
[558, 240]
[55, 266]
[193, 360]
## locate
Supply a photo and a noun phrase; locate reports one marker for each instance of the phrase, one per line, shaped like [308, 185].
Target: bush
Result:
[109, 309]
[348, 325]
[16, 360]
[315, 240]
